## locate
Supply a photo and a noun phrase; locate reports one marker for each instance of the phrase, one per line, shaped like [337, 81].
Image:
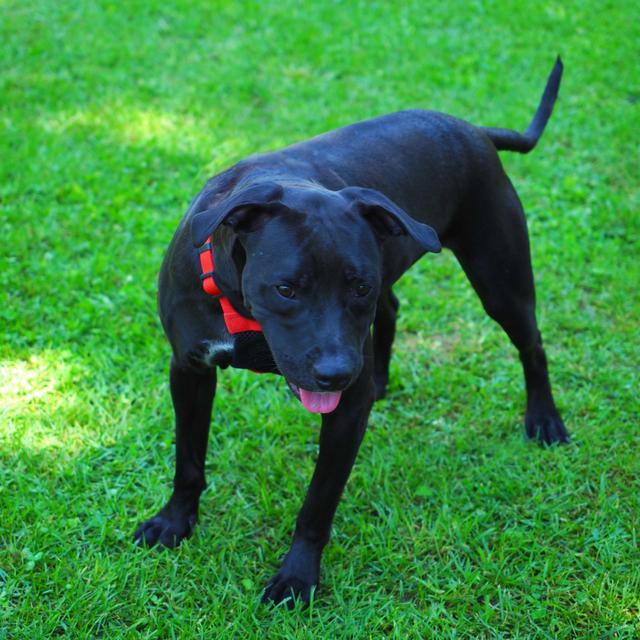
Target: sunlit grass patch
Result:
[25, 383]
[130, 124]
[40, 407]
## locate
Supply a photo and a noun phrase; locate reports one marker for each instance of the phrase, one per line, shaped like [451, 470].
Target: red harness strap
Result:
[235, 322]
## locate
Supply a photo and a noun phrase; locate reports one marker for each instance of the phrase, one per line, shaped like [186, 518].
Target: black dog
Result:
[307, 243]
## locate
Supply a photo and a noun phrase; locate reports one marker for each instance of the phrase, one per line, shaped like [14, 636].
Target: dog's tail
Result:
[509, 140]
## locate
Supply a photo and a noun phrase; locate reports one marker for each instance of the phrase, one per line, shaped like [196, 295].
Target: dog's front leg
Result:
[340, 437]
[192, 392]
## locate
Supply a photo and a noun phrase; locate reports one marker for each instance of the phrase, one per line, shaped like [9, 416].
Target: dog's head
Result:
[309, 265]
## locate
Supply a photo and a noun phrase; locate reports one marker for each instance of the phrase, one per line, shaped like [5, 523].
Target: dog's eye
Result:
[362, 289]
[285, 291]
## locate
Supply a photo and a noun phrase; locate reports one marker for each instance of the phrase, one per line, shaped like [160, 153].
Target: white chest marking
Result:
[213, 349]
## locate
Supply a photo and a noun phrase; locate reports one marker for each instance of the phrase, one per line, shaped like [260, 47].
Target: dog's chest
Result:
[216, 352]
[245, 350]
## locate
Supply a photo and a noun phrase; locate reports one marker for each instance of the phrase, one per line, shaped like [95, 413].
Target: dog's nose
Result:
[332, 375]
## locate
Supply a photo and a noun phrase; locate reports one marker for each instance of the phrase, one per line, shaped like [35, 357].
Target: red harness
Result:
[234, 322]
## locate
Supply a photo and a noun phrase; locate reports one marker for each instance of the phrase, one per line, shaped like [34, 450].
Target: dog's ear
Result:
[243, 211]
[388, 219]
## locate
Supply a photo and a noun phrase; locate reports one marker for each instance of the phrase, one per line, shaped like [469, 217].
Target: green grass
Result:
[112, 115]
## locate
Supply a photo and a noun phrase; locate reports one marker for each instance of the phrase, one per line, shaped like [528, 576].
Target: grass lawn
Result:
[112, 115]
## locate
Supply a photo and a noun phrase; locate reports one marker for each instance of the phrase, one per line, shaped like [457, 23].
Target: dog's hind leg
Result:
[384, 331]
[192, 392]
[493, 248]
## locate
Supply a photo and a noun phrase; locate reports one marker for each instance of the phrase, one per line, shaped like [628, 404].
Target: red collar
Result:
[235, 322]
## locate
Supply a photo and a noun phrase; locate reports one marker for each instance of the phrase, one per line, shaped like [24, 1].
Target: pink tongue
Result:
[319, 402]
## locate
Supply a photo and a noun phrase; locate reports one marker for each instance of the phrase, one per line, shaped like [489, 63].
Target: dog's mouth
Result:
[316, 401]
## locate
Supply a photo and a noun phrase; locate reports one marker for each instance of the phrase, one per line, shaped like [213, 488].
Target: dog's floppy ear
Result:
[238, 211]
[388, 219]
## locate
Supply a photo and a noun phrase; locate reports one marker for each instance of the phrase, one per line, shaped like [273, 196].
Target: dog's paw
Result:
[296, 579]
[546, 427]
[289, 589]
[165, 531]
